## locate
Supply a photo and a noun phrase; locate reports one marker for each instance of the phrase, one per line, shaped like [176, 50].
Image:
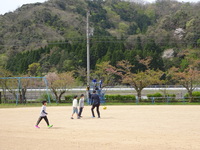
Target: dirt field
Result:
[120, 128]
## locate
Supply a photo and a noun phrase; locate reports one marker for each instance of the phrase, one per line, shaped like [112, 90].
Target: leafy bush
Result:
[68, 99]
[156, 96]
[120, 98]
[171, 97]
[195, 94]
[109, 98]
[45, 97]
[159, 97]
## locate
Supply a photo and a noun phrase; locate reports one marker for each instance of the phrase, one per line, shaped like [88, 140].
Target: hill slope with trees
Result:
[53, 34]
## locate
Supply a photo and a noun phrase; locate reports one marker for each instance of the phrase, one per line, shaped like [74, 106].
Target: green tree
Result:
[68, 65]
[3, 82]
[198, 42]
[81, 74]
[34, 69]
[3, 60]
[101, 73]
[140, 79]
[60, 83]
[189, 78]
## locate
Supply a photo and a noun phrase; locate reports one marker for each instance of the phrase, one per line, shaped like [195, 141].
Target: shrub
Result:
[120, 98]
[156, 96]
[159, 97]
[109, 98]
[195, 94]
[46, 97]
[68, 99]
[172, 97]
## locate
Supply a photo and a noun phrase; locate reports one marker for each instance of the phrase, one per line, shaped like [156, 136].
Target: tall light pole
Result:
[88, 49]
[88, 57]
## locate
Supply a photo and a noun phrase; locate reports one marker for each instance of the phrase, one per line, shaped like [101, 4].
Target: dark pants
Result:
[80, 111]
[97, 108]
[43, 117]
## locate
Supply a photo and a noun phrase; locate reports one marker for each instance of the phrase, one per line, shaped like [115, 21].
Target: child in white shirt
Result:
[75, 107]
[43, 115]
[81, 105]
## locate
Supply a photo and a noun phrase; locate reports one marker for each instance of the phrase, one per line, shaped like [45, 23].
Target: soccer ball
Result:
[104, 107]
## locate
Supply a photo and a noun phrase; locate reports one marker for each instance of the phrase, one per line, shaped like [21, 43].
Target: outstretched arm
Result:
[44, 112]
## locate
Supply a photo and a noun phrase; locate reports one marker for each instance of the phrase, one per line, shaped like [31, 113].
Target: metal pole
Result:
[88, 50]
[19, 87]
[0, 97]
[88, 56]
[47, 89]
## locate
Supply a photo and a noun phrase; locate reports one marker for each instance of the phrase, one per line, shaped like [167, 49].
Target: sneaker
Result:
[72, 118]
[37, 126]
[50, 126]
[93, 117]
[99, 117]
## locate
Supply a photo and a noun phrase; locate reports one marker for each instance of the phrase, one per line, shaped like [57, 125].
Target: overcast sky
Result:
[11, 5]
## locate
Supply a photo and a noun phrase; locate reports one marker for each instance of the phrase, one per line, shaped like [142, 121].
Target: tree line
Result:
[121, 73]
[123, 32]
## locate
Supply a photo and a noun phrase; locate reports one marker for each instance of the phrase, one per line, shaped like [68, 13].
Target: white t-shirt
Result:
[43, 111]
[75, 103]
[81, 102]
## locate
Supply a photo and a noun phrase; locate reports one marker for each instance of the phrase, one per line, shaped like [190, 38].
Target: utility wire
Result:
[60, 43]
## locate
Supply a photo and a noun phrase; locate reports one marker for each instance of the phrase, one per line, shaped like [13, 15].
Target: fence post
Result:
[167, 99]
[136, 100]
[0, 97]
[184, 100]
[48, 96]
[153, 100]
[19, 87]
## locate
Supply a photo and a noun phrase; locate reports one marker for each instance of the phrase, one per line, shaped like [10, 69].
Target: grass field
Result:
[13, 105]
[135, 127]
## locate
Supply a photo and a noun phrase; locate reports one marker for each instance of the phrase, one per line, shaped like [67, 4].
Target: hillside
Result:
[122, 30]
[33, 25]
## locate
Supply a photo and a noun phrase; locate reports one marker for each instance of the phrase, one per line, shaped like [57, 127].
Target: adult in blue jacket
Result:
[95, 101]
